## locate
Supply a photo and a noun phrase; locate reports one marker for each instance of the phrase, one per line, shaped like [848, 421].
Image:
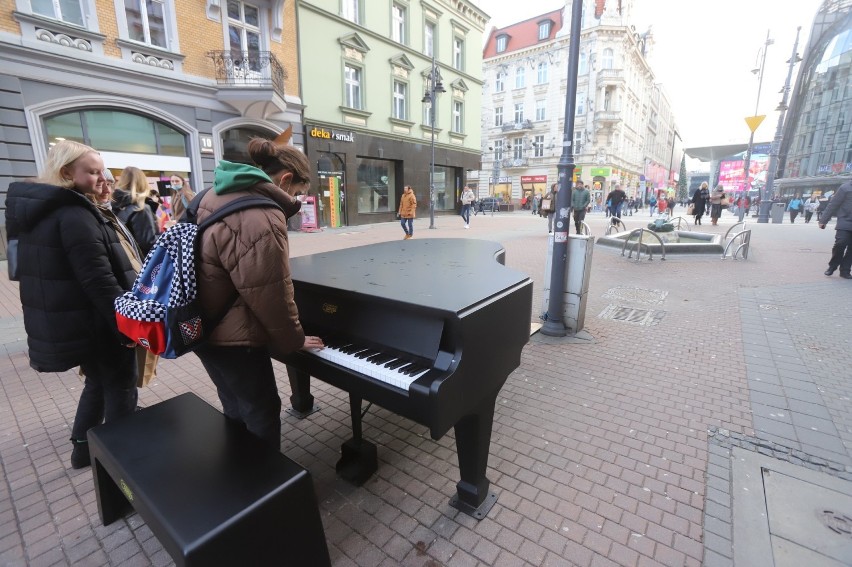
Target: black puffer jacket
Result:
[72, 267]
[142, 224]
[840, 206]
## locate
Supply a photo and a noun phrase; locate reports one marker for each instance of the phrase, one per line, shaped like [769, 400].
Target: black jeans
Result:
[793, 214]
[841, 252]
[245, 382]
[109, 389]
[579, 216]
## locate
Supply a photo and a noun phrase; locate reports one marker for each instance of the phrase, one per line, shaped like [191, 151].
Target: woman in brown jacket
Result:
[244, 263]
[407, 210]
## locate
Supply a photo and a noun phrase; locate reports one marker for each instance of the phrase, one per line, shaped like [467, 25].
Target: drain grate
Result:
[636, 295]
[644, 317]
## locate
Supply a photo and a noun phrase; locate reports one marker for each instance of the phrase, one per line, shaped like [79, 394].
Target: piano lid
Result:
[449, 274]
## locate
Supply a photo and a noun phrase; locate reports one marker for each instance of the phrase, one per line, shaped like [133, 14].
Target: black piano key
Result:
[365, 353]
[381, 359]
[414, 369]
[394, 364]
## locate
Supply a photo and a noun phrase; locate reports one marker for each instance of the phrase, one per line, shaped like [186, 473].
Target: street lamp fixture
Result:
[759, 73]
[434, 86]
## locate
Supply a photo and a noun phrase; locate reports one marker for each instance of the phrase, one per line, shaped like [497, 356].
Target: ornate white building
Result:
[624, 130]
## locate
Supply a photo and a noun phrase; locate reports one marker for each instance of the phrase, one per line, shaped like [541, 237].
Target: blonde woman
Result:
[72, 267]
[133, 206]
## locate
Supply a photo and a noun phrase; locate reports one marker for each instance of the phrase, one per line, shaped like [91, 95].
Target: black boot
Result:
[80, 455]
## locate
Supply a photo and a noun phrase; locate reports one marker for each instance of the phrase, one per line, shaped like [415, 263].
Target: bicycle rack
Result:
[745, 241]
[680, 220]
[586, 230]
[611, 226]
[638, 245]
[733, 227]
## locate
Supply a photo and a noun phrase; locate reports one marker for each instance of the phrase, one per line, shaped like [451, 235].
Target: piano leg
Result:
[301, 400]
[473, 442]
[358, 458]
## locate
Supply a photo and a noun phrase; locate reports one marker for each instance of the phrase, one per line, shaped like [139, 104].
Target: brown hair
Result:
[272, 159]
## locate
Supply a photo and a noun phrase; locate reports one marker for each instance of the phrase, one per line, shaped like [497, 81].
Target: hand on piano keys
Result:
[388, 368]
[312, 343]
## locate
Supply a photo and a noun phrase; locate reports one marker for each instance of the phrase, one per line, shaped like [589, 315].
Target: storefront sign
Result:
[533, 179]
[324, 134]
[600, 172]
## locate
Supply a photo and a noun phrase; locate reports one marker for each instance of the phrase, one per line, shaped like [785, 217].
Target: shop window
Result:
[235, 143]
[444, 182]
[116, 131]
[376, 185]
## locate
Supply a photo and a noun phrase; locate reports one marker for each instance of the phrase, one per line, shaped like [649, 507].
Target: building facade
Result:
[168, 86]
[624, 129]
[816, 148]
[369, 129]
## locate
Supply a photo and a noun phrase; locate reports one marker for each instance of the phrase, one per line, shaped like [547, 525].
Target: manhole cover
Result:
[636, 295]
[644, 317]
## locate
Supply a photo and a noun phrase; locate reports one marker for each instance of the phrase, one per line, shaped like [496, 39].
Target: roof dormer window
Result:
[544, 30]
[502, 41]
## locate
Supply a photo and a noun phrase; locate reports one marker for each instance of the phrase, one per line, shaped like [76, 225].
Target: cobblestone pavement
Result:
[608, 451]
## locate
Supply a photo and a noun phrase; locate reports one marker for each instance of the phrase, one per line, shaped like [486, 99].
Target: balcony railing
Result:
[611, 75]
[608, 116]
[255, 69]
[523, 125]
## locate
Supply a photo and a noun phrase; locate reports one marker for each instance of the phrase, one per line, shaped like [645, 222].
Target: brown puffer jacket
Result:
[247, 253]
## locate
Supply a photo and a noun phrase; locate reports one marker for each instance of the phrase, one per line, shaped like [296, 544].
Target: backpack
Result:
[161, 311]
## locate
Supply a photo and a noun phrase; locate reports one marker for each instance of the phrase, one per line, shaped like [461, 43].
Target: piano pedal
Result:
[302, 414]
[358, 461]
[480, 511]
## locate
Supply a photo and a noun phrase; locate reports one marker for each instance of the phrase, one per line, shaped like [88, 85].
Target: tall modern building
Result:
[168, 86]
[624, 129]
[816, 148]
[366, 66]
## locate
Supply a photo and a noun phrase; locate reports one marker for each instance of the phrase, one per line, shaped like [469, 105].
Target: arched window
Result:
[235, 142]
[116, 131]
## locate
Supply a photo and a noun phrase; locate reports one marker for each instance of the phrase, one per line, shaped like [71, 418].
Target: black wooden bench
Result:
[211, 492]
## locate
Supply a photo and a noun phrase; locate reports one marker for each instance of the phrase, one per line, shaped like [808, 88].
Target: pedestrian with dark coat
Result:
[132, 204]
[699, 202]
[72, 266]
[616, 199]
[840, 206]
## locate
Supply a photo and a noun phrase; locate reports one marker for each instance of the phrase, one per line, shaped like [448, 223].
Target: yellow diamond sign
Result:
[754, 121]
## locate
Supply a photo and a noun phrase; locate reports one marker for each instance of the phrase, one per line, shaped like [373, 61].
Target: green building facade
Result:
[365, 66]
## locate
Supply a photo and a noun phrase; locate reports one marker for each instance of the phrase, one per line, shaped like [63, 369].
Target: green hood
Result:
[229, 177]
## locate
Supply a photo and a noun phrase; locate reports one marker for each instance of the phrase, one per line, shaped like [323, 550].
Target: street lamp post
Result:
[434, 85]
[554, 324]
[747, 161]
[776, 143]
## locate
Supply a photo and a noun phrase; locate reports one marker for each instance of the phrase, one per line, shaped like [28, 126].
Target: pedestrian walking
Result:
[794, 207]
[467, 199]
[407, 211]
[548, 206]
[699, 202]
[616, 199]
[536, 203]
[840, 206]
[244, 271]
[670, 205]
[716, 197]
[182, 195]
[652, 205]
[72, 266]
[811, 206]
[580, 199]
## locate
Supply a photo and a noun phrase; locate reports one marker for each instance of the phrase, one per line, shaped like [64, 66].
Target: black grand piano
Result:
[429, 329]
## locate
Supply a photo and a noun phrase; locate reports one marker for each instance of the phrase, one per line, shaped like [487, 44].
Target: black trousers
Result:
[841, 252]
[579, 217]
[245, 382]
[109, 389]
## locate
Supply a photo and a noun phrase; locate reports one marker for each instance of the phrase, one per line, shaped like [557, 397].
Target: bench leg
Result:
[112, 504]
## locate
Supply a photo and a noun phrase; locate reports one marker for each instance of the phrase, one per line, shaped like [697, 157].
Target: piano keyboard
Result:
[371, 362]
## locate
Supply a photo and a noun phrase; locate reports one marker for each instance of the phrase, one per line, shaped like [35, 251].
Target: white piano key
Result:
[377, 371]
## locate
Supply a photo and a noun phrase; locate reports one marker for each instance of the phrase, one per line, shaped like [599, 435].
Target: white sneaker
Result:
[467, 226]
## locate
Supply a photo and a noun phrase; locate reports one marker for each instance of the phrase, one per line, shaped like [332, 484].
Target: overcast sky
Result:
[704, 52]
